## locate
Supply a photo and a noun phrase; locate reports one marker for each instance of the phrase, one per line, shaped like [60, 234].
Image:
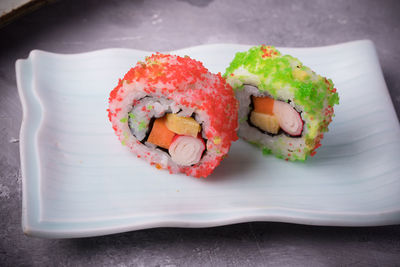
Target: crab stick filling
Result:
[271, 115]
[180, 136]
[186, 150]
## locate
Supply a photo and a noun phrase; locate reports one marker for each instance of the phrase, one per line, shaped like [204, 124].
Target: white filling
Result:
[186, 150]
[289, 119]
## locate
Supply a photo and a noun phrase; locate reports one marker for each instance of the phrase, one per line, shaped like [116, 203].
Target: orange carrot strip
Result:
[160, 135]
[263, 105]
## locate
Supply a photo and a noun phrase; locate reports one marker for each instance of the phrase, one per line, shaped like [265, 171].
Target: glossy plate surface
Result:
[78, 180]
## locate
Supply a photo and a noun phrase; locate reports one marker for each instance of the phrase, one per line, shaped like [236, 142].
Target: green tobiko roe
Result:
[278, 71]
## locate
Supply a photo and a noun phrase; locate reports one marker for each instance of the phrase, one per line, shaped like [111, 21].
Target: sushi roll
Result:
[167, 110]
[284, 106]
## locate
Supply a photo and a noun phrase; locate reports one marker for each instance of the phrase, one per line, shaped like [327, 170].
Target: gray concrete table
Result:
[79, 26]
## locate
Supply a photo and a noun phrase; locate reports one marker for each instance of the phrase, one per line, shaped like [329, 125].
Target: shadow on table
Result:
[393, 83]
[248, 242]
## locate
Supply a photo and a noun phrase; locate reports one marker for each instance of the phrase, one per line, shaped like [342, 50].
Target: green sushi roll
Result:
[284, 107]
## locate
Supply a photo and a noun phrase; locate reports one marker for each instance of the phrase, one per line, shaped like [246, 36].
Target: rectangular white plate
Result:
[78, 180]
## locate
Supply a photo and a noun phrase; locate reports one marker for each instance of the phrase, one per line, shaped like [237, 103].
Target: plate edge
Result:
[180, 50]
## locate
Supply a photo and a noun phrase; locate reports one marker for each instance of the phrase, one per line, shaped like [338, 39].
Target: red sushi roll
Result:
[175, 114]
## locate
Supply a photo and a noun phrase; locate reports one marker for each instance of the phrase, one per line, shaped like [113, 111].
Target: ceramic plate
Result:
[78, 180]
